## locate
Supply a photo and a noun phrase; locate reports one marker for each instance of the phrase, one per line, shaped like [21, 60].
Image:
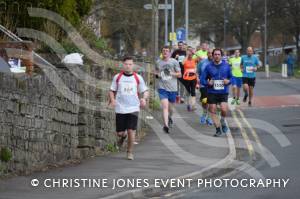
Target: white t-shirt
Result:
[127, 100]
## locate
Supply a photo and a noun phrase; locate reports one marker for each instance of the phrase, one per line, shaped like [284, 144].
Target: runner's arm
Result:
[177, 69]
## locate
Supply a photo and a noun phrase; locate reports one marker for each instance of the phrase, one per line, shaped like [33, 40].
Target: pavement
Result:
[273, 123]
[189, 151]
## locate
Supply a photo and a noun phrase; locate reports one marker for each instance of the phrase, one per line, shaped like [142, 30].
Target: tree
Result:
[288, 14]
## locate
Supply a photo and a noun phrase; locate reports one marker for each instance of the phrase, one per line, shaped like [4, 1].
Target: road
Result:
[277, 104]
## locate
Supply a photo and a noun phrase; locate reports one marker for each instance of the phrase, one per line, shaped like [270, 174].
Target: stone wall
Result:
[40, 126]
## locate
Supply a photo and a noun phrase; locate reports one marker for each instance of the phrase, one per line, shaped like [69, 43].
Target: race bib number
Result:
[249, 69]
[218, 84]
[128, 88]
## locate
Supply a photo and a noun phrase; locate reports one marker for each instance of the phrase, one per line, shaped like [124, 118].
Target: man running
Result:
[167, 70]
[124, 96]
[217, 76]
[202, 53]
[205, 118]
[249, 64]
[180, 54]
[236, 81]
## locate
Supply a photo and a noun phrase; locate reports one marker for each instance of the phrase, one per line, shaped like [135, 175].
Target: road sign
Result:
[160, 6]
[172, 36]
[180, 32]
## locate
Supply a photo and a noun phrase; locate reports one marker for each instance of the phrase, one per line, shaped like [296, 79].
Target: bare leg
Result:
[214, 117]
[130, 141]
[171, 107]
[224, 108]
[250, 93]
[238, 91]
[165, 107]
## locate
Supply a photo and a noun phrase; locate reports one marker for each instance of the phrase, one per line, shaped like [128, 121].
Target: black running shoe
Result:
[218, 133]
[249, 103]
[166, 129]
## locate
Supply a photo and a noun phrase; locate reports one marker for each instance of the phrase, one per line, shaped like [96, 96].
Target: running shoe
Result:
[209, 121]
[188, 108]
[224, 128]
[203, 119]
[181, 100]
[238, 102]
[130, 156]
[233, 101]
[166, 129]
[218, 133]
[249, 103]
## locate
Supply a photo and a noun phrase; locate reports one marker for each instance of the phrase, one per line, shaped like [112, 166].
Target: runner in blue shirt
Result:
[205, 118]
[249, 64]
[216, 77]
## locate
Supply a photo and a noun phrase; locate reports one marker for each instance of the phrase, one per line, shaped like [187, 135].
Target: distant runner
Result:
[217, 76]
[180, 55]
[190, 78]
[236, 81]
[205, 117]
[124, 97]
[249, 64]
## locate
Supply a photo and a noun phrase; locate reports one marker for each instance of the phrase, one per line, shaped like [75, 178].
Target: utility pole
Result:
[173, 26]
[225, 24]
[265, 43]
[155, 21]
[187, 20]
[166, 23]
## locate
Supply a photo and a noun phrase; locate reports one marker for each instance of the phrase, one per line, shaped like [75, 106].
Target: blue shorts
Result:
[170, 95]
[236, 81]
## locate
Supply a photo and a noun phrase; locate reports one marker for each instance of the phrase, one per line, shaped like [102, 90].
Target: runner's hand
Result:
[226, 81]
[211, 82]
[112, 103]
[143, 103]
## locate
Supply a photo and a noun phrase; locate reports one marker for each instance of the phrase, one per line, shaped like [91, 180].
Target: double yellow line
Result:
[244, 133]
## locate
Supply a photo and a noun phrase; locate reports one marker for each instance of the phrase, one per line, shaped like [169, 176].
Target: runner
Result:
[167, 70]
[236, 81]
[205, 118]
[190, 78]
[249, 64]
[202, 53]
[180, 54]
[217, 77]
[124, 97]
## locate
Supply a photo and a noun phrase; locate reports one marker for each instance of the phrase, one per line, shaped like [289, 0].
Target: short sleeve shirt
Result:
[167, 81]
[127, 99]
[248, 64]
[235, 63]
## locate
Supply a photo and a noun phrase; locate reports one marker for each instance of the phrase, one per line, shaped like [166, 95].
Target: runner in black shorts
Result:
[125, 99]
[216, 77]
[249, 64]
[126, 121]
[249, 81]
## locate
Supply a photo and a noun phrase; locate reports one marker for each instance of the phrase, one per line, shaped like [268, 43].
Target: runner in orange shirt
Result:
[190, 78]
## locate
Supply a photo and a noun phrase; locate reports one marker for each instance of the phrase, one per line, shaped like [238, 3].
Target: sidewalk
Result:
[182, 153]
